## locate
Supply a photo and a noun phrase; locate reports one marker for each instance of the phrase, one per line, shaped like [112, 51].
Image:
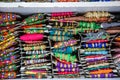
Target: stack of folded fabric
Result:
[35, 48]
[64, 47]
[97, 57]
[9, 51]
[96, 46]
[116, 51]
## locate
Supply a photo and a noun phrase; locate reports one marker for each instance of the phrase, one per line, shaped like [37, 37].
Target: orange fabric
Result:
[36, 26]
[102, 71]
[117, 39]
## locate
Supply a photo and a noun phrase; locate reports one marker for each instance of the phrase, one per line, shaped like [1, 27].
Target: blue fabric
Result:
[94, 45]
[65, 50]
[52, 31]
[90, 45]
[69, 50]
[97, 52]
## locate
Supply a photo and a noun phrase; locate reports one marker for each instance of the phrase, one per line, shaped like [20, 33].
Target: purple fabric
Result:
[67, 66]
[93, 60]
[110, 75]
[102, 75]
[58, 64]
[63, 65]
[59, 69]
[70, 65]
[76, 69]
[65, 69]
[92, 75]
[70, 69]
[76, 65]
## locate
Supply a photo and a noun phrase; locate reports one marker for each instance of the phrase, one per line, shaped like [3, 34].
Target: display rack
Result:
[26, 8]
[35, 7]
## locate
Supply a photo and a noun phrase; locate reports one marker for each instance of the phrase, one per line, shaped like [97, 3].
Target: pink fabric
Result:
[32, 37]
[117, 55]
[56, 14]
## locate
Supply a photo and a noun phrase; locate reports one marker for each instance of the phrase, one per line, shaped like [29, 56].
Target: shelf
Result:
[36, 7]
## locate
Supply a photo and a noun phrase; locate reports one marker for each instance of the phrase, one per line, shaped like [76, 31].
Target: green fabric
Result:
[8, 23]
[91, 25]
[99, 67]
[36, 22]
[33, 18]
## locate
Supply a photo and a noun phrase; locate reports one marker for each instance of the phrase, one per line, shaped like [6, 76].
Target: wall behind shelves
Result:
[34, 7]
